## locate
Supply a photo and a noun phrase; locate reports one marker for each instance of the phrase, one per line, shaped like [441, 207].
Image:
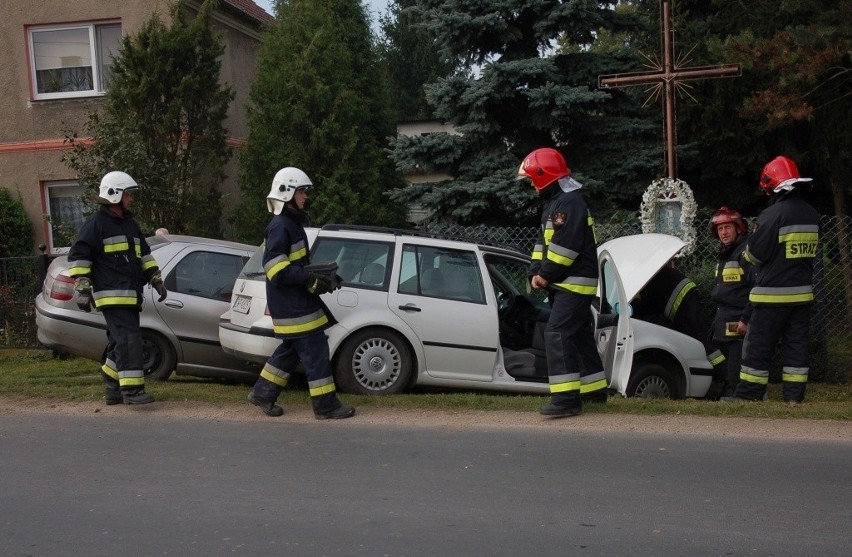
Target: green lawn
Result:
[37, 374]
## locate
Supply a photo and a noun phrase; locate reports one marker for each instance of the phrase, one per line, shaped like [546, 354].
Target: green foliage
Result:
[320, 103]
[163, 123]
[411, 59]
[16, 233]
[513, 93]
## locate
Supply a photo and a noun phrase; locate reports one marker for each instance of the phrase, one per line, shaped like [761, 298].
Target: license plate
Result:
[242, 304]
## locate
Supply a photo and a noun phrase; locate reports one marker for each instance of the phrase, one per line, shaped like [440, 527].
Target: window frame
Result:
[97, 63]
[51, 235]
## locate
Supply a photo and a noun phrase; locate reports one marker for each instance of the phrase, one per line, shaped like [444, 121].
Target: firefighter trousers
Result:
[123, 366]
[767, 326]
[574, 365]
[312, 352]
[733, 352]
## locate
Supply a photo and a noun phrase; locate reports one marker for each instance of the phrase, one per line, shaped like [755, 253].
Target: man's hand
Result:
[538, 282]
[320, 284]
[83, 288]
[157, 284]
[742, 328]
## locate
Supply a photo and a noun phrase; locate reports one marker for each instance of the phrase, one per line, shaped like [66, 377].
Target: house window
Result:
[73, 60]
[67, 212]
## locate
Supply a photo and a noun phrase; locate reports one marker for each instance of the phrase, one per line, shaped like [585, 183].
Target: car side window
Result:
[360, 263]
[441, 273]
[206, 274]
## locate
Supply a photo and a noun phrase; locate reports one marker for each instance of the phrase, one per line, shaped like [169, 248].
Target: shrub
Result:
[16, 233]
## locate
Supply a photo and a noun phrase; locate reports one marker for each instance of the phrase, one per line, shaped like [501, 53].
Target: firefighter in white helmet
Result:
[111, 262]
[299, 317]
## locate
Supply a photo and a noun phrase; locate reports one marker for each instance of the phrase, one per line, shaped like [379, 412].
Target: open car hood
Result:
[639, 257]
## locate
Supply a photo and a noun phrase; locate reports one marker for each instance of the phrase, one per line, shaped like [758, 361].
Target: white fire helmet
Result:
[113, 186]
[284, 185]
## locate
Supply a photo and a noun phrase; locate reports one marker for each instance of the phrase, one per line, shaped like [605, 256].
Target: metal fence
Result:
[20, 282]
[21, 278]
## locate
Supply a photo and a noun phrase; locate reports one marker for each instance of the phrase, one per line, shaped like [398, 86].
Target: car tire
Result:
[373, 362]
[652, 380]
[158, 356]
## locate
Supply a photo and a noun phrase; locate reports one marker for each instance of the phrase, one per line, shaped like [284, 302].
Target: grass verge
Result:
[37, 374]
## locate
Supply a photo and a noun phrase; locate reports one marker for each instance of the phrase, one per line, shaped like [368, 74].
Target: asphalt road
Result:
[142, 484]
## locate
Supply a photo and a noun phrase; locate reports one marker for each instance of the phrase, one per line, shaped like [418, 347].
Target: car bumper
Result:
[72, 332]
[254, 344]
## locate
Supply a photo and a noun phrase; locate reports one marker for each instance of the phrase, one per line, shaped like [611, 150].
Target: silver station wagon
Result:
[418, 309]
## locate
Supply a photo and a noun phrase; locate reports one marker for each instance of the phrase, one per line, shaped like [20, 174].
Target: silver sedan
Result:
[179, 334]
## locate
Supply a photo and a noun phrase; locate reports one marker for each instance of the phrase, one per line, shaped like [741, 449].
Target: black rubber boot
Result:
[557, 411]
[137, 397]
[340, 413]
[113, 396]
[112, 391]
[269, 408]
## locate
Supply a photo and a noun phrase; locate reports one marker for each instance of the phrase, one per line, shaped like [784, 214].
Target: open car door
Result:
[613, 330]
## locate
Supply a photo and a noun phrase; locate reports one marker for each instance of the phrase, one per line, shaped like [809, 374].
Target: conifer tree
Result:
[163, 123]
[516, 91]
[320, 103]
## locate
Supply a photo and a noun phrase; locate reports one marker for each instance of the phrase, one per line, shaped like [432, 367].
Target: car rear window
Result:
[253, 269]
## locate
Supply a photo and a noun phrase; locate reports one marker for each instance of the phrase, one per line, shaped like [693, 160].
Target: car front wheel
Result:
[373, 362]
[158, 356]
[652, 381]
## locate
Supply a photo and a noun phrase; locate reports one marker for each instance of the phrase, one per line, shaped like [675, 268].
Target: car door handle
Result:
[409, 307]
[173, 304]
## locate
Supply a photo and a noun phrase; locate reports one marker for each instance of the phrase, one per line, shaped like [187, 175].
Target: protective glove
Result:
[83, 288]
[320, 284]
[157, 284]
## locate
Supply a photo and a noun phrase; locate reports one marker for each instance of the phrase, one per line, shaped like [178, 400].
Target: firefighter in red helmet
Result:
[730, 293]
[565, 262]
[783, 249]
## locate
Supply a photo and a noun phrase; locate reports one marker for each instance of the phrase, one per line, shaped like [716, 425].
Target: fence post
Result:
[41, 266]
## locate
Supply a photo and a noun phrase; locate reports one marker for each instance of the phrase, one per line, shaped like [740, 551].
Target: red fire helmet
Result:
[544, 166]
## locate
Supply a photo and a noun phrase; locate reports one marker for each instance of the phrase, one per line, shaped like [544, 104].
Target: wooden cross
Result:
[668, 76]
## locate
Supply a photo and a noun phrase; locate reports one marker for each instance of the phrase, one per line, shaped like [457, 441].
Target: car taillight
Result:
[62, 288]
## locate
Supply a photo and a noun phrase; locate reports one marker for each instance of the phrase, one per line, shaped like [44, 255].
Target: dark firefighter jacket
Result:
[734, 280]
[783, 248]
[111, 251]
[295, 311]
[566, 254]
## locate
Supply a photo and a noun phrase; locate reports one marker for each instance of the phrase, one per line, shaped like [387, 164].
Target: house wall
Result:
[31, 137]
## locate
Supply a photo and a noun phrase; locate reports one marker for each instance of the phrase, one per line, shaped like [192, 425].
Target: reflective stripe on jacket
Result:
[112, 252]
[566, 254]
[783, 249]
[295, 311]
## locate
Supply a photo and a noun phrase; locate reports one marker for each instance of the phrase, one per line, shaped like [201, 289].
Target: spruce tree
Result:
[528, 79]
[411, 58]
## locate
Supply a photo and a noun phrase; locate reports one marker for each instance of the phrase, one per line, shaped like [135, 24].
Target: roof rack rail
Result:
[416, 232]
